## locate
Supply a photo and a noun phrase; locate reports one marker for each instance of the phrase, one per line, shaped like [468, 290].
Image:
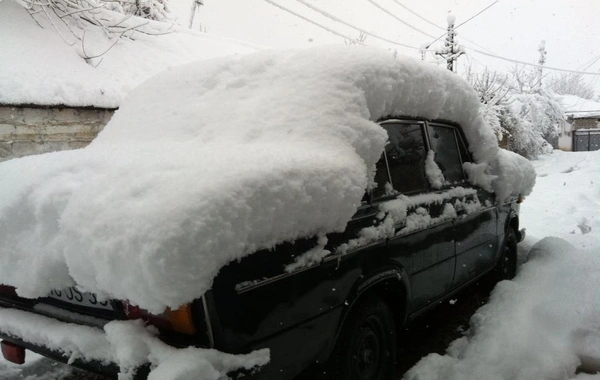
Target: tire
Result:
[366, 346]
[506, 269]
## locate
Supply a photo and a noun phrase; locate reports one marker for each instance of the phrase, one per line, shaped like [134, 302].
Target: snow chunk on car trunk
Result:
[211, 161]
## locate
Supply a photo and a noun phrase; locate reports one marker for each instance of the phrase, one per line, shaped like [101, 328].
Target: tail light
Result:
[179, 320]
[6, 290]
[13, 352]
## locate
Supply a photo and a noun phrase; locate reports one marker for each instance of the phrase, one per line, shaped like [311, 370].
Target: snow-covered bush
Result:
[532, 120]
[151, 9]
[518, 106]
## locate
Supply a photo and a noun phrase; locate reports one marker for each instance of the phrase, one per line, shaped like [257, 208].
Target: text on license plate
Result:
[73, 296]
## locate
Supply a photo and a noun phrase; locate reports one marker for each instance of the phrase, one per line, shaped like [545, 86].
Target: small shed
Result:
[580, 131]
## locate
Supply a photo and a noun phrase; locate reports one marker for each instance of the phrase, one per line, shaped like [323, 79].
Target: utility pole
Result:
[541, 62]
[450, 51]
[195, 5]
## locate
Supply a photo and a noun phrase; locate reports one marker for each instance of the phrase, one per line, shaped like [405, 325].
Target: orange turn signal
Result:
[181, 319]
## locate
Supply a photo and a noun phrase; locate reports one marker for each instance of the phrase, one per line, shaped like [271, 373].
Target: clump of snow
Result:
[208, 162]
[433, 172]
[411, 211]
[311, 257]
[129, 344]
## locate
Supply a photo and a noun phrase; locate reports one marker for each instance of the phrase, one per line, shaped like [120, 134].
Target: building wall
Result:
[27, 130]
[587, 123]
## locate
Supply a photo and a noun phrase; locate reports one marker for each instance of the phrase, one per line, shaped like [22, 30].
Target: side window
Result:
[444, 143]
[405, 156]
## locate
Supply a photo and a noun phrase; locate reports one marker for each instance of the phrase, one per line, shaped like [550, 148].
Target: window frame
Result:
[461, 144]
[425, 137]
[458, 139]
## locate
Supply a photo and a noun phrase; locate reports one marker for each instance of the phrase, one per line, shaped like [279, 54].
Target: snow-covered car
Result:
[291, 207]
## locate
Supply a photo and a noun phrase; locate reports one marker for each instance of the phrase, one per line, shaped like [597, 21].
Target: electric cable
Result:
[397, 18]
[310, 21]
[533, 64]
[334, 18]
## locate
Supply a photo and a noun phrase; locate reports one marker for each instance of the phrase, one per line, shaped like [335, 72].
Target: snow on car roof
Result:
[209, 162]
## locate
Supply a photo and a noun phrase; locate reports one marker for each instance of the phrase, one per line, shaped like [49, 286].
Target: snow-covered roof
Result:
[579, 108]
[38, 67]
[206, 163]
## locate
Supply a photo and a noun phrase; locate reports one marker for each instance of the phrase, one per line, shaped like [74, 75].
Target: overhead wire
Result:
[336, 19]
[419, 16]
[480, 12]
[397, 18]
[535, 65]
[310, 21]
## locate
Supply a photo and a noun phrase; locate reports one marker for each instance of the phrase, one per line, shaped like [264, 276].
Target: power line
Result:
[334, 18]
[533, 64]
[398, 18]
[592, 63]
[480, 12]
[419, 16]
[310, 21]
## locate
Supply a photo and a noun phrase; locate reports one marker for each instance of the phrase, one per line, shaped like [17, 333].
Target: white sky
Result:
[510, 28]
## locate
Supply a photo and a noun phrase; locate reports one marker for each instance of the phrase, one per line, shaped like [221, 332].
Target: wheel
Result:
[506, 269]
[366, 347]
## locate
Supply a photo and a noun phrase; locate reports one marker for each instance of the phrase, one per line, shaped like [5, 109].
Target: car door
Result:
[475, 226]
[423, 242]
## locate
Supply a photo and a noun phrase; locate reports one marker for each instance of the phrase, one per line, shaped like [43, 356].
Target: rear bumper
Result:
[120, 347]
[85, 347]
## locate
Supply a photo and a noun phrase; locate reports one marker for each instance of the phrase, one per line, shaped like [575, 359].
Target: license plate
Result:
[73, 296]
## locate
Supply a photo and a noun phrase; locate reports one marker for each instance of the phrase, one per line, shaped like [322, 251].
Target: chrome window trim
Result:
[209, 329]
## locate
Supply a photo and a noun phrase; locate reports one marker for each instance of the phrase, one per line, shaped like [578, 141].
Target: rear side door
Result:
[422, 242]
[475, 236]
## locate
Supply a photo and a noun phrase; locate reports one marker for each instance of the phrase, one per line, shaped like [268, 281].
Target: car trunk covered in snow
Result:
[212, 161]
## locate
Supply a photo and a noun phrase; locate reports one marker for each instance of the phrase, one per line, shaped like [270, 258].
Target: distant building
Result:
[580, 130]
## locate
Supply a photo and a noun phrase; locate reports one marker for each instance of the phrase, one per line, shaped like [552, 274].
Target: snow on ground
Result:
[210, 160]
[545, 324]
[38, 67]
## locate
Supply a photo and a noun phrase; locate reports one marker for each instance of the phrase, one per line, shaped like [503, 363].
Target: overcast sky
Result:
[510, 28]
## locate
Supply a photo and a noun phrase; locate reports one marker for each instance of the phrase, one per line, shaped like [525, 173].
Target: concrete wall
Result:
[27, 130]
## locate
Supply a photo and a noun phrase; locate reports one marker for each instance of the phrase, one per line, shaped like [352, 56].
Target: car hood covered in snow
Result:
[211, 161]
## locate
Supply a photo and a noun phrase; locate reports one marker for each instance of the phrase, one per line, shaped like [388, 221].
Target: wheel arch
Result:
[391, 284]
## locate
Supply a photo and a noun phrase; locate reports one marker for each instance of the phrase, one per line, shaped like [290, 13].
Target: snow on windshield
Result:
[211, 161]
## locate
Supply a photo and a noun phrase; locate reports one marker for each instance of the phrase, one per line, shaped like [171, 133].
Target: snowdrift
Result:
[211, 161]
[542, 325]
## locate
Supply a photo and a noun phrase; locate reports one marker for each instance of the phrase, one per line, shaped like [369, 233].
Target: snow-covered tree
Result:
[79, 21]
[532, 120]
[571, 84]
[150, 9]
[518, 107]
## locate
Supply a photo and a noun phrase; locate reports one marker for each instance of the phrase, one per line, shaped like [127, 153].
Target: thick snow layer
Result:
[578, 107]
[38, 67]
[545, 324]
[128, 344]
[211, 161]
